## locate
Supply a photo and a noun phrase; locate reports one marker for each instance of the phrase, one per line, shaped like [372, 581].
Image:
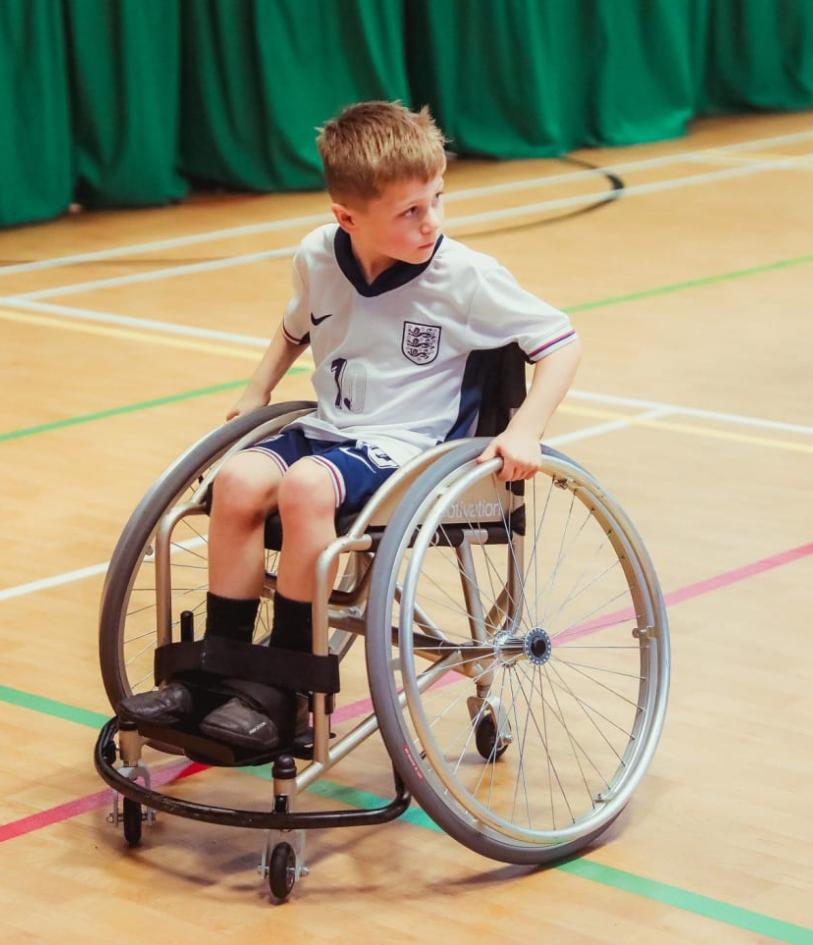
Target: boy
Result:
[391, 310]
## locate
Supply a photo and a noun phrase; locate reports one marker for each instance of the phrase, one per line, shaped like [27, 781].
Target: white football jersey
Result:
[391, 356]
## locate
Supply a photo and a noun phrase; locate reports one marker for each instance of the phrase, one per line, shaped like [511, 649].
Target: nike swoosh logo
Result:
[318, 321]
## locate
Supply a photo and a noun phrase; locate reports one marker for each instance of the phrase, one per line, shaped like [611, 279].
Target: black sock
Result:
[228, 617]
[292, 628]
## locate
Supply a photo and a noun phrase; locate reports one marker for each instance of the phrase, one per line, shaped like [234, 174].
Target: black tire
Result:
[282, 872]
[485, 738]
[133, 821]
[409, 734]
[132, 545]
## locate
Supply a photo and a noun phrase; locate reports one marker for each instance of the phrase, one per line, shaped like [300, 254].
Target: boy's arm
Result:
[278, 357]
[518, 444]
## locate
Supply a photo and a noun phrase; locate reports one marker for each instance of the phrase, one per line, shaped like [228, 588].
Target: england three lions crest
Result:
[420, 342]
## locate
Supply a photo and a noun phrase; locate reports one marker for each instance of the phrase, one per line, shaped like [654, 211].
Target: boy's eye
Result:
[410, 212]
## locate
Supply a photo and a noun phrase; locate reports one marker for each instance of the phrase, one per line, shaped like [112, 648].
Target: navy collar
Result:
[393, 277]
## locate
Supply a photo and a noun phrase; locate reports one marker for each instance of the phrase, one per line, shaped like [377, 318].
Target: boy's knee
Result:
[307, 489]
[246, 486]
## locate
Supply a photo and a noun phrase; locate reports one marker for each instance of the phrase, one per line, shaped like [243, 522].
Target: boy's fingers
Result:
[488, 453]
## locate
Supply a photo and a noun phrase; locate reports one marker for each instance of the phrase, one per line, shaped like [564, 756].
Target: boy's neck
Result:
[372, 264]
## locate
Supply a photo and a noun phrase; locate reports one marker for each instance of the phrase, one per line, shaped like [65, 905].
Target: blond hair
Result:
[372, 144]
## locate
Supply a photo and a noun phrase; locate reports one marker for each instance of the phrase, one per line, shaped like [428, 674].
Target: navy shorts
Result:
[356, 469]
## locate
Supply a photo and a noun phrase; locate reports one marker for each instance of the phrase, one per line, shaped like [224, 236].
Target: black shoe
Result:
[258, 725]
[166, 706]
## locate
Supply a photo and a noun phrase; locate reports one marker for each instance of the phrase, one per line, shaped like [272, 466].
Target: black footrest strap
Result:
[221, 657]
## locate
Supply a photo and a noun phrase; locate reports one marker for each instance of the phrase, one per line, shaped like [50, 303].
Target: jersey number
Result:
[351, 384]
[337, 368]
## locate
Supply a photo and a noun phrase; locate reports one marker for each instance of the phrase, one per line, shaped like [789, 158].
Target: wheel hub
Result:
[538, 646]
[507, 648]
[535, 646]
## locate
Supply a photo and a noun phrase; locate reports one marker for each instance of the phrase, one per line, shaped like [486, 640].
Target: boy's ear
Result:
[344, 217]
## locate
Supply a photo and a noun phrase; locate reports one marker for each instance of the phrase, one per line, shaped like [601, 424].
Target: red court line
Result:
[692, 590]
[364, 706]
[84, 804]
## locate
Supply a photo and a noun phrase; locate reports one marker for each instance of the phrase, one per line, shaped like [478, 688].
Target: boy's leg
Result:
[261, 716]
[307, 507]
[342, 477]
[306, 500]
[245, 492]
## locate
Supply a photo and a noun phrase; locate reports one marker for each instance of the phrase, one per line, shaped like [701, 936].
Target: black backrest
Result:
[502, 373]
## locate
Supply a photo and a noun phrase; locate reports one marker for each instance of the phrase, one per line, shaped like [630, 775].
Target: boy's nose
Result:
[431, 221]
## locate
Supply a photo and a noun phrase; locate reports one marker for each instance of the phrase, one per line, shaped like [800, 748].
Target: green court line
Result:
[692, 283]
[116, 411]
[354, 798]
[690, 902]
[621, 880]
[132, 408]
[57, 710]
[582, 307]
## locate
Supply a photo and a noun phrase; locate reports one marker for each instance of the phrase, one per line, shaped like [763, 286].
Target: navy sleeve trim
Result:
[304, 340]
[537, 353]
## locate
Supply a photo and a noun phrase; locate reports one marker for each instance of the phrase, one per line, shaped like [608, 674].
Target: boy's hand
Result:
[249, 400]
[520, 453]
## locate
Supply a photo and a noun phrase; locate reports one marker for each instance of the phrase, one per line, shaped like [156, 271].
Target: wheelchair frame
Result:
[407, 516]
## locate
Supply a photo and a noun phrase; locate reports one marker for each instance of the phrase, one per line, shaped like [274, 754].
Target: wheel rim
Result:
[583, 697]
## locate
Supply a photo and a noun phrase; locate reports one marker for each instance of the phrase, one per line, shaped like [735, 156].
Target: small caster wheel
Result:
[485, 736]
[109, 753]
[282, 872]
[132, 822]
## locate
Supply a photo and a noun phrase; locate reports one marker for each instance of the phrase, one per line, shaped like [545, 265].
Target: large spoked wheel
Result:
[129, 615]
[538, 616]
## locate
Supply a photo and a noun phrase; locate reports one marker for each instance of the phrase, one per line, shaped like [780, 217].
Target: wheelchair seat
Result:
[499, 377]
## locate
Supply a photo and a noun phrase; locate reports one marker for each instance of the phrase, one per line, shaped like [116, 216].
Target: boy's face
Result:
[402, 224]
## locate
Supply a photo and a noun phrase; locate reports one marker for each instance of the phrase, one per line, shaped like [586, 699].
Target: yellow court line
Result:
[689, 428]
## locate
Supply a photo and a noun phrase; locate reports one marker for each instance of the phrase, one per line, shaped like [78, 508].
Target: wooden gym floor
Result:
[125, 336]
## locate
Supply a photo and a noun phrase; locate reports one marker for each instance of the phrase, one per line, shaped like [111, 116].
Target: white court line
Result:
[170, 328]
[69, 576]
[609, 427]
[488, 216]
[156, 274]
[255, 341]
[801, 162]
[636, 190]
[691, 411]
[470, 193]
[33, 586]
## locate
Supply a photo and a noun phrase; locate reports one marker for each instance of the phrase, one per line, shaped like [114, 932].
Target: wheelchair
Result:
[516, 646]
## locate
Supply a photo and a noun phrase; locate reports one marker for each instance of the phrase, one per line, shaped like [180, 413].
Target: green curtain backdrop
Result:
[125, 102]
[537, 80]
[124, 76]
[260, 76]
[766, 61]
[36, 159]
